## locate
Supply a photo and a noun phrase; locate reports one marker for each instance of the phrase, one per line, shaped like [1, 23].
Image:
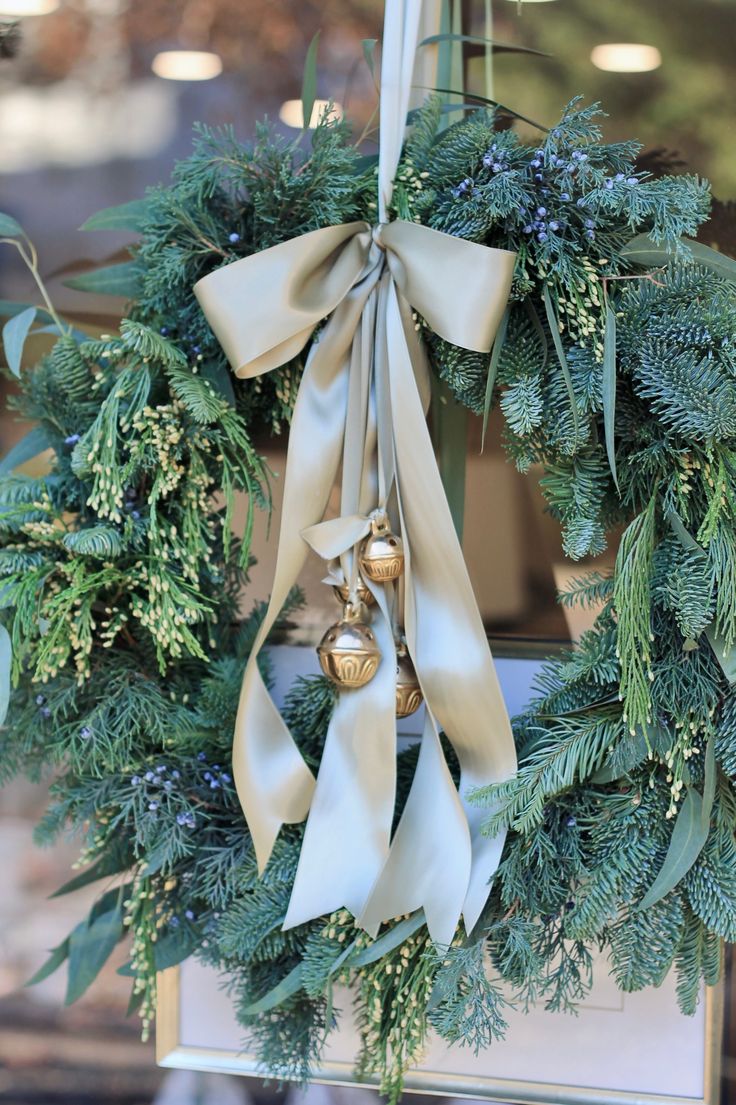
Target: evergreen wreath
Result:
[615, 369]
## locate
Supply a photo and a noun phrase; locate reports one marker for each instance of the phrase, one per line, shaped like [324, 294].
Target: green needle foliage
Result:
[122, 587]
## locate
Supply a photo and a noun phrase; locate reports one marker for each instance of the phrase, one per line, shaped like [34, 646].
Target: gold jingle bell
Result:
[408, 692]
[382, 554]
[348, 653]
[342, 592]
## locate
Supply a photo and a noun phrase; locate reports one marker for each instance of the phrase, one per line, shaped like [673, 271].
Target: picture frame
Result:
[622, 1049]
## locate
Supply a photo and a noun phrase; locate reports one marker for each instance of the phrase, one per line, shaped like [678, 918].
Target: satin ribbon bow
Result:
[362, 400]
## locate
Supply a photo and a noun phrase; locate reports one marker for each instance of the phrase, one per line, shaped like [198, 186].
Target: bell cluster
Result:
[349, 653]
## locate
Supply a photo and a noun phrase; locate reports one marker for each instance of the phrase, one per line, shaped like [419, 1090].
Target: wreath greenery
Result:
[615, 370]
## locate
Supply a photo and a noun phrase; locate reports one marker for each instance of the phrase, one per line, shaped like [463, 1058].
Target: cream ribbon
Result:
[363, 399]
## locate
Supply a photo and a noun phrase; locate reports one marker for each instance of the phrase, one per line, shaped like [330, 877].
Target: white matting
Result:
[633, 1043]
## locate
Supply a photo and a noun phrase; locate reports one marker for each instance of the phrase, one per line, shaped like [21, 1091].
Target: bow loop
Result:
[459, 287]
[264, 309]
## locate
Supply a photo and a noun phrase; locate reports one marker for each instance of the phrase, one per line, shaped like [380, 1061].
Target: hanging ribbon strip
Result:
[362, 401]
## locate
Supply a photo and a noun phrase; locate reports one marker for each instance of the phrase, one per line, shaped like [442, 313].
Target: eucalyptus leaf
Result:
[444, 60]
[309, 82]
[8, 308]
[10, 227]
[498, 47]
[90, 947]
[221, 379]
[636, 751]
[609, 390]
[536, 322]
[390, 940]
[709, 786]
[80, 336]
[123, 280]
[493, 372]
[488, 48]
[56, 957]
[726, 656]
[559, 350]
[135, 1002]
[110, 863]
[35, 441]
[451, 424]
[641, 250]
[712, 259]
[445, 109]
[369, 52]
[342, 957]
[123, 216]
[108, 901]
[15, 332]
[688, 838]
[291, 984]
[174, 948]
[578, 711]
[491, 103]
[457, 62]
[156, 858]
[363, 164]
[685, 538]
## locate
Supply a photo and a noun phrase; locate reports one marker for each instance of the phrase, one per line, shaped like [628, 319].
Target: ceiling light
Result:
[292, 115]
[186, 65]
[626, 57]
[27, 7]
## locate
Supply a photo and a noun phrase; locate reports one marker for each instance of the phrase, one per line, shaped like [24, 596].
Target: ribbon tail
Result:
[274, 784]
[346, 839]
[445, 635]
[347, 836]
[332, 538]
[429, 862]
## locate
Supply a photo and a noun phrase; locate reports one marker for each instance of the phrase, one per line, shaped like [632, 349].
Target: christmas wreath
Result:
[123, 648]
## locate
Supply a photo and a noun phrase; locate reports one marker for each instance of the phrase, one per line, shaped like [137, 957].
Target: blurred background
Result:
[97, 100]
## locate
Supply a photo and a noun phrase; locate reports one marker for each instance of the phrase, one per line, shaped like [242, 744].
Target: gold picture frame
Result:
[177, 1048]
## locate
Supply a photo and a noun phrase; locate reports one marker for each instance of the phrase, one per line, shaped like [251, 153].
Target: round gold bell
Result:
[382, 554]
[362, 593]
[408, 692]
[348, 653]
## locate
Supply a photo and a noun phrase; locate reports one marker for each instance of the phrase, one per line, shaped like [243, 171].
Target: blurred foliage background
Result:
[685, 106]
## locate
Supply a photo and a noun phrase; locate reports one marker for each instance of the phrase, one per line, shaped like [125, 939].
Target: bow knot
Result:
[376, 235]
